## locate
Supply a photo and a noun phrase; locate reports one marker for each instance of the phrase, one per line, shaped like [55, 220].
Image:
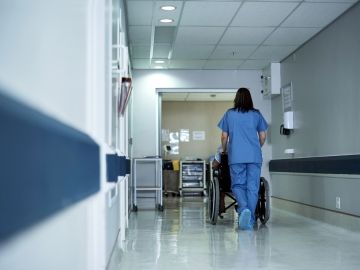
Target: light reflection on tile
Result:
[181, 238]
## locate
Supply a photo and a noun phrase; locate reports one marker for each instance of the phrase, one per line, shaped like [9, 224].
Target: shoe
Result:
[244, 220]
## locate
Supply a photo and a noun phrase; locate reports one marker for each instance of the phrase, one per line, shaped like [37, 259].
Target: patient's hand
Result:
[215, 164]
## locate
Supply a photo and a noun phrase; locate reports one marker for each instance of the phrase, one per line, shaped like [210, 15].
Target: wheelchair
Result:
[220, 182]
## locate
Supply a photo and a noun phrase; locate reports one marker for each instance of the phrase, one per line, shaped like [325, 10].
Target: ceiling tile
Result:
[224, 96]
[208, 13]
[192, 51]
[140, 63]
[232, 52]
[210, 97]
[254, 64]
[164, 34]
[263, 13]
[199, 35]
[139, 12]
[140, 34]
[140, 51]
[252, 41]
[315, 14]
[165, 64]
[291, 36]
[273, 53]
[246, 35]
[298, 1]
[338, 1]
[223, 64]
[174, 96]
[187, 64]
[161, 50]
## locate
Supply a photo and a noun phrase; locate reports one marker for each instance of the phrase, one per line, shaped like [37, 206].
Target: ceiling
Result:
[191, 96]
[208, 34]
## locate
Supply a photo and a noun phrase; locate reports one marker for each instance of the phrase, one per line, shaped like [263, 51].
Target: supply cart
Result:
[147, 181]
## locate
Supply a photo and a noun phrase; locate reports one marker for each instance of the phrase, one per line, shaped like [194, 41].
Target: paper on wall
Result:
[165, 135]
[184, 135]
[198, 135]
[174, 137]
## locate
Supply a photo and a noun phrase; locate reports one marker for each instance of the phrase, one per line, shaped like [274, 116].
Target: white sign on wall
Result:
[184, 135]
[165, 135]
[287, 97]
[198, 135]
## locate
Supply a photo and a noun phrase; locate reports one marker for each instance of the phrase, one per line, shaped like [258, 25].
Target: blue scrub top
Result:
[243, 128]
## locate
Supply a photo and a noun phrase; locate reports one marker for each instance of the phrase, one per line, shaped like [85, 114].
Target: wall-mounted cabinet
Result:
[271, 80]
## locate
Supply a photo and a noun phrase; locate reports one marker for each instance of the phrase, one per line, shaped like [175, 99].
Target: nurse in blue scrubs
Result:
[245, 128]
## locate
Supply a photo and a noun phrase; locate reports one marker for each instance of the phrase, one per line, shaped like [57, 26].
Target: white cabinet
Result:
[192, 176]
[271, 80]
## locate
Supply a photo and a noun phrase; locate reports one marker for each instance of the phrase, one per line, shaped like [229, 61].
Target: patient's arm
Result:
[224, 139]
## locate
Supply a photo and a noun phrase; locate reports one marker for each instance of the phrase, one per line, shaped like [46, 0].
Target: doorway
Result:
[188, 132]
[194, 114]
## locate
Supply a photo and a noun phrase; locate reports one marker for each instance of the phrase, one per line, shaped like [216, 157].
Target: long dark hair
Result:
[243, 101]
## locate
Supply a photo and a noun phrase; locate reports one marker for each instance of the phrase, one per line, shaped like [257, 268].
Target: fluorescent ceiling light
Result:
[159, 61]
[166, 20]
[168, 8]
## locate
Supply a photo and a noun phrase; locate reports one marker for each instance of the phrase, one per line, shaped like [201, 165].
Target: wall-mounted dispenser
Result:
[284, 131]
[270, 80]
[289, 120]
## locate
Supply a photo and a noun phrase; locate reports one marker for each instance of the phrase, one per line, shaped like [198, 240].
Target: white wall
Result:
[57, 243]
[44, 55]
[145, 104]
[56, 57]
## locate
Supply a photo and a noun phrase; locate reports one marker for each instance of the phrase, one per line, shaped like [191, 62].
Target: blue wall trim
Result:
[45, 166]
[348, 164]
[115, 166]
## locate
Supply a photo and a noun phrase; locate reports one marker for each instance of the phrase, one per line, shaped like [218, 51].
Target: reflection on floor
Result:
[182, 238]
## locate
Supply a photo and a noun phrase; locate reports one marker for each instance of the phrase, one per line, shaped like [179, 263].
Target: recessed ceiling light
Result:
[166, 20]
[159, 61]
[168, 8]
[158, 67]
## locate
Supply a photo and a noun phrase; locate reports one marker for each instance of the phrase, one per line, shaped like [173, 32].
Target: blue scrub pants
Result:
[245, 181]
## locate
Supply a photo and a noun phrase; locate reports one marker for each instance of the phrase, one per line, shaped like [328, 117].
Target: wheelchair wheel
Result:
[213, 201]
[263, 208]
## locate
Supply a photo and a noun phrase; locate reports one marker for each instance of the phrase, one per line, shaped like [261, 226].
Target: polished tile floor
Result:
[182, 238]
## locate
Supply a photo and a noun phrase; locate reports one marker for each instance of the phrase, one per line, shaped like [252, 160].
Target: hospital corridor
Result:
[179, 134]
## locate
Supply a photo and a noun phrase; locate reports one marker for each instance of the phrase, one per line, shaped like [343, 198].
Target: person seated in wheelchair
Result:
[243, 134]
[216, 166]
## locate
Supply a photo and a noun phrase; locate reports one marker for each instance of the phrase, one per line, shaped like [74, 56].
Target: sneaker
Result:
[244, 220]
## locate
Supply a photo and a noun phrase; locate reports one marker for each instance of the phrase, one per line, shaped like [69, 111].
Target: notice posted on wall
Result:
[287, 97]
[165, 135]
[184, 135]
[174, 137]
[198, 135]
